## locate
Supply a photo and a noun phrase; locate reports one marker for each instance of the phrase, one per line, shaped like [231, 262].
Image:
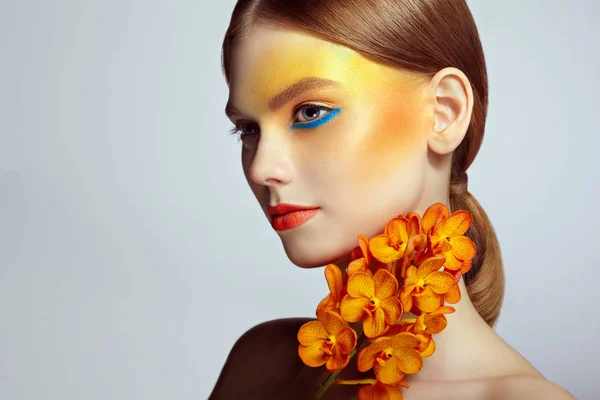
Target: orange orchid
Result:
[453, 296]
[326, 341]
[426, 325]
[427, 347]
[425, 284]
[362, 259]
[390, 246]
[433, 322]
[450, 231]
[424, 257]
[334, 278]
[372, 299]
[391, 357]
[433, 215]
[379, 391]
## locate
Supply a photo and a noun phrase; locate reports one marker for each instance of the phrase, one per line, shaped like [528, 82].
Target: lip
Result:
[284, 208]
[288, 216]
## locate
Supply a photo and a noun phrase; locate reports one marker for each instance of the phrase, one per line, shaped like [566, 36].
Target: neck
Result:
[463, 349]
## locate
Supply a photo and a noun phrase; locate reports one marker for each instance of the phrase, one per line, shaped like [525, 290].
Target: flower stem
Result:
[330, 380]
[325, 385]
[367, 381]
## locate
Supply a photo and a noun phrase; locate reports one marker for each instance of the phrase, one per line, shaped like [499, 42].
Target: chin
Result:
[314, 256]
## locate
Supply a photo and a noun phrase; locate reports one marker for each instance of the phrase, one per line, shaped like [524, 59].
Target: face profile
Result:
[358, 122]
[333, 143]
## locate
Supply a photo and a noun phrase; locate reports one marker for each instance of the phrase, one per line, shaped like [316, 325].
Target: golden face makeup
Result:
[362, 164]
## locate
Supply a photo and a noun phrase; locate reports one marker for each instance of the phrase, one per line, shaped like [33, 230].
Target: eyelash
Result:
[236, 130]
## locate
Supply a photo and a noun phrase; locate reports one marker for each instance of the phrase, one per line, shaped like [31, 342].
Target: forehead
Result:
[269, 59]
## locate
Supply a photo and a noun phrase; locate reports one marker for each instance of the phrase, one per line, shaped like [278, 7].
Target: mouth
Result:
[288, 216]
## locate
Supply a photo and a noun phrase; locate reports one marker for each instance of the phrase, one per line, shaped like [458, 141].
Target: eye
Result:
[306, 116]
[310, 116]
[245, 131]
[311, 112]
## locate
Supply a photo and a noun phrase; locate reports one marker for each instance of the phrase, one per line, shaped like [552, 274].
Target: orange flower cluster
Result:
[413, 266]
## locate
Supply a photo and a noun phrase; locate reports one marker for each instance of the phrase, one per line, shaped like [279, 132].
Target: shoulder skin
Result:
[528, 387]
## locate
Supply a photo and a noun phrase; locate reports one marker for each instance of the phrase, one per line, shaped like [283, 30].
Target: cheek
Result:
[372, 148]
[395, 144]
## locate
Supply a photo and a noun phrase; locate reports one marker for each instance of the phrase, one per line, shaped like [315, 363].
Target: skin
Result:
[387, 152]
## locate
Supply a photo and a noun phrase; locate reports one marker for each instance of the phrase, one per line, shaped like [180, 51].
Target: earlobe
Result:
[453, 104]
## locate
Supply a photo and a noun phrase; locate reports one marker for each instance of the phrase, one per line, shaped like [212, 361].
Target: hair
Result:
[422, 36]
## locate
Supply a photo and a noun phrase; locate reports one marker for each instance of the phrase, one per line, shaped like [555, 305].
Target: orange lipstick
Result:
[288, 216]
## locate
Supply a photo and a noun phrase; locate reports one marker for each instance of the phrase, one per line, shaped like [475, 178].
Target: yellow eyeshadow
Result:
[291, 58]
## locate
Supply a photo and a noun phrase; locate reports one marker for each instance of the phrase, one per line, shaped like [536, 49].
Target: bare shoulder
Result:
[262, 359]
[527, 387]
[515, 387]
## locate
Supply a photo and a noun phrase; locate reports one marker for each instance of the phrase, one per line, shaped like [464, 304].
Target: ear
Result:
[452, 98]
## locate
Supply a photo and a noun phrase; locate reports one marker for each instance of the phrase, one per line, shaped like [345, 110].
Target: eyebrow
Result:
[286, 95]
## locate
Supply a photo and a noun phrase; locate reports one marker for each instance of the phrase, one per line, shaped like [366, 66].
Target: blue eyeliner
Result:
[318, 122]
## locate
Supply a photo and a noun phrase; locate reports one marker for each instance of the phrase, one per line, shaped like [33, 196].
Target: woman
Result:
[351, 113]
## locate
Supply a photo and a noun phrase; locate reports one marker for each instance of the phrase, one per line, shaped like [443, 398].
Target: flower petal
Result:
[379, 391]
[358, 265]
[406, 297]
[453, 296]
[429, 348]
[455, 225]
[363, 242]
[392, 308]
[435, 323]
[312, 355]
[427, 300]
[463, 248]
[432, 215]
[346, 340]
[440, 282]
[415, 243]
[389, 373]
[397, 226]
[328, 303]
[411, 276]
[361, 284]
[365, 359]
[430, 265]
[452, 262]
[408, 360]
[443, 310]
[414, 224]
[366, 392]
[352, 308]
[467, 264]
[332, 321]
[385, 283]
[333, 275]
[381, 249]
[311, 332]
[337, 361]
[404, 339]
[374, 325]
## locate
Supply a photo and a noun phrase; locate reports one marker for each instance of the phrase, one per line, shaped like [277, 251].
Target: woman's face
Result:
[352, 142]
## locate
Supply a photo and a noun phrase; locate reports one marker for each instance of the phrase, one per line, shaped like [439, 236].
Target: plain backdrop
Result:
[133, 254]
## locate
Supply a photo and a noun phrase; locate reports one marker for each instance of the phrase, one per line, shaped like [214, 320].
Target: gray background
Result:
[133, 255]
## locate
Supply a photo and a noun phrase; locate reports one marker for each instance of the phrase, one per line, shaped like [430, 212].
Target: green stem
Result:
[331, 378]
[325, 385]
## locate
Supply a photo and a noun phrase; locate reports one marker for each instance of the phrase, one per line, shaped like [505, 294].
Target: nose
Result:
[271, 164]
